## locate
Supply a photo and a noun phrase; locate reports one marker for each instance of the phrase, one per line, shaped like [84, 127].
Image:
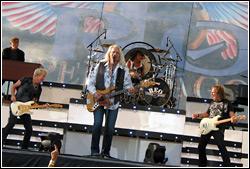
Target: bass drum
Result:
[158, 93]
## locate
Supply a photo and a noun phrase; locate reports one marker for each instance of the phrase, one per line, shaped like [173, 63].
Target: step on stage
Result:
[27, 158]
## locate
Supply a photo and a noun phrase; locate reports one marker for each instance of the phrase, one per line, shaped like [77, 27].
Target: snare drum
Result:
[158, 93]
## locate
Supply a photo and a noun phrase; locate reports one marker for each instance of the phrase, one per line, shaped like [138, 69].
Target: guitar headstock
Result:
[148, 83]
[242, 117]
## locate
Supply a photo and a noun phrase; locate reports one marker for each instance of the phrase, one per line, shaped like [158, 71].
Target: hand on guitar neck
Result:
[20, 108]
[209, 124]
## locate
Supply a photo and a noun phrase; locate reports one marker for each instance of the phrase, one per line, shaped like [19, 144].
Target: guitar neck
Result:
[119, 92]
[39, 106]
[116, 93]
[222, 121]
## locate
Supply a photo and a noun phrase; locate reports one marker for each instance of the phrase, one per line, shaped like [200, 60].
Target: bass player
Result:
[112, 69]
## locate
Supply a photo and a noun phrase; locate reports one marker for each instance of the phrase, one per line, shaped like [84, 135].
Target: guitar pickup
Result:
[88, 101]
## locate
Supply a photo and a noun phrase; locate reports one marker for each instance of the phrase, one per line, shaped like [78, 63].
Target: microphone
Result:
[105, 31]
[114, 56]
[167, 41]
[243, 75]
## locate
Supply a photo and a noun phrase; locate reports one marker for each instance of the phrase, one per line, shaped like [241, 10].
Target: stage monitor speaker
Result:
[155, 154]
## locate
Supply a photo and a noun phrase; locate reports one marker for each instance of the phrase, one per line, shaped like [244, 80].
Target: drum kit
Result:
[160, 92]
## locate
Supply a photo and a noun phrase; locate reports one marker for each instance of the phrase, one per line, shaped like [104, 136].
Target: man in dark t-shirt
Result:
[29, 89]
[219, 106]
[13, 52]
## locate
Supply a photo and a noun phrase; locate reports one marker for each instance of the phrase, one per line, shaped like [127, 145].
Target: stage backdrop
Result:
[208, 39]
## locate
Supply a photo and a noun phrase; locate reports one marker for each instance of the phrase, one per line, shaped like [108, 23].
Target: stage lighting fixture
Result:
[155, 154]
[48, 141]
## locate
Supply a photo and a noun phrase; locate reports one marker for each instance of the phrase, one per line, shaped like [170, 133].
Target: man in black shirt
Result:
[29, 89]
[13, 52]
[219, 106]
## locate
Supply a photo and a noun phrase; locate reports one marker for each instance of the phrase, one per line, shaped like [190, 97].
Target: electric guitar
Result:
[209, 124]
[93, 104]
[20, 108]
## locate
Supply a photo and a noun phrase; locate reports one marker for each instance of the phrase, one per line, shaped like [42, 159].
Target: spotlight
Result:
[48, 141]
[155, 154]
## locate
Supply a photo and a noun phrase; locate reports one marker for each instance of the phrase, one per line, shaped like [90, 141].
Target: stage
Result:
[24, 158]
[135, 129]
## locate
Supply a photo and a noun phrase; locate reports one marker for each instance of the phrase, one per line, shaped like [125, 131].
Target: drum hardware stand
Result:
[177, 55]
[172, 99]
[84, 92]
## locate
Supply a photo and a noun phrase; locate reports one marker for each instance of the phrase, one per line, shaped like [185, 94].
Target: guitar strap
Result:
[227, 116]
[100, 77]
[119, 83]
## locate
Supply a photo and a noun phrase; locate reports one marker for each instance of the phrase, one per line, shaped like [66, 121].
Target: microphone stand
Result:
[107, 108]
[90, 55]
[177, 54]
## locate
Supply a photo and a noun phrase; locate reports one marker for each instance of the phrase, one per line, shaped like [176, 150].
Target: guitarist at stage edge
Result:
[99, 79]
[28, 89]
[219, 106]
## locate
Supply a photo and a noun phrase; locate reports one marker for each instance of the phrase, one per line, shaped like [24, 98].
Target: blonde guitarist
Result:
[112, 69]
[222, 107]
[28, 89]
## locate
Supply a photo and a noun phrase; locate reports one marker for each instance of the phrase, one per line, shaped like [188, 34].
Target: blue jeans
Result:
[108, 134]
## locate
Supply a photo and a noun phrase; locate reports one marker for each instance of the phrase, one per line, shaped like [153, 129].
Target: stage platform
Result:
[136, 127]
[27, 158]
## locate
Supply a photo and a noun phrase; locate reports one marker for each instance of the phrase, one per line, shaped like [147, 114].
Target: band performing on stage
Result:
[125, 84]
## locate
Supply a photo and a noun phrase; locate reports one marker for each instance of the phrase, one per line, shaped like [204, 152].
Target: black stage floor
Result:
[27, 158]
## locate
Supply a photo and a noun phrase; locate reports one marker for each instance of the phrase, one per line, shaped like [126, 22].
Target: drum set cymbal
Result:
[105, 45]
[170, 59]
[158, 50]
[134, 74]
[154, 72]
[97, 50]
[155, 63]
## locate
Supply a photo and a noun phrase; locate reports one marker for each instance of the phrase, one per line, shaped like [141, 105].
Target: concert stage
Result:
[135, 129]
[23, 158]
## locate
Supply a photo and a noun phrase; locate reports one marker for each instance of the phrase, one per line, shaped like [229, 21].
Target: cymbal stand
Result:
[173, 89]
[84, 92]
[177, 55]
[172, 99]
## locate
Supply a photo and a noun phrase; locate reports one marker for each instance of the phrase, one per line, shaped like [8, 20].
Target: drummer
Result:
[136, 66]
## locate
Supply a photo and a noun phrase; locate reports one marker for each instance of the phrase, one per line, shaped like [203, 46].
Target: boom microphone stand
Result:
[90, 55]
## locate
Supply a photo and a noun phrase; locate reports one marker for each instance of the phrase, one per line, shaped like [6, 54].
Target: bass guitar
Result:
[93, 104]
[20, 108]
[209, 124]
